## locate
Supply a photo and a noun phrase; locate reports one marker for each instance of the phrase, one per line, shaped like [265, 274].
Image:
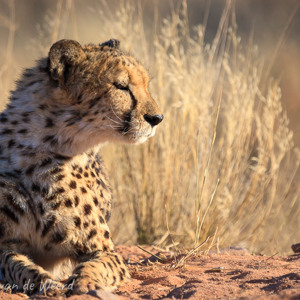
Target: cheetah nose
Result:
[153, 120]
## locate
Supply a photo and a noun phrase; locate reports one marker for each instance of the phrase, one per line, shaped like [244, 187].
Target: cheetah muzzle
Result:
[55, 199]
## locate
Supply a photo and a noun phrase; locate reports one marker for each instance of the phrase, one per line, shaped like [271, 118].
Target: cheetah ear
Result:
[63, 55]
[111, 43]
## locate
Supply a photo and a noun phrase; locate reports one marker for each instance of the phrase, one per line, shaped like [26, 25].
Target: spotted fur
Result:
[55, 198]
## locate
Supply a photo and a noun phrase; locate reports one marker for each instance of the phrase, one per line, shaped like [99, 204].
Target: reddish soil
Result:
[231, 274]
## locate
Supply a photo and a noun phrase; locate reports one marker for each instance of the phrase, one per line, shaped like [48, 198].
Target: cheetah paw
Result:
[82, 285]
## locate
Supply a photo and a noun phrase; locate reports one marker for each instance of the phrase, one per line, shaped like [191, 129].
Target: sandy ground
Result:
[231, 274]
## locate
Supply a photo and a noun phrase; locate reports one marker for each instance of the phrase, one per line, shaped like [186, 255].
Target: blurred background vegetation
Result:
[226, 74]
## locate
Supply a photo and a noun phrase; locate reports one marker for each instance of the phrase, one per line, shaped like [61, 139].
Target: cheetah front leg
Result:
[104, 270]
[25, 276]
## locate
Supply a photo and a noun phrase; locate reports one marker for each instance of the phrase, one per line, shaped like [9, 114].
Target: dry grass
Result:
[223, 162]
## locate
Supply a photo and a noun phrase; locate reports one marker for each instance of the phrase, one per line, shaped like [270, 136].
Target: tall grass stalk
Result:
[235, 172]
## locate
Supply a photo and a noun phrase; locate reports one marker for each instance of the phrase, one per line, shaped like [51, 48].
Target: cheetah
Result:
[55, 198]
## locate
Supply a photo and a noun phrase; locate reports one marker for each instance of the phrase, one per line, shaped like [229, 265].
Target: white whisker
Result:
[115, 114]
[119, 123]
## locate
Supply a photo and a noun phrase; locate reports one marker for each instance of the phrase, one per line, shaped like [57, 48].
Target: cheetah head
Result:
[106, 90]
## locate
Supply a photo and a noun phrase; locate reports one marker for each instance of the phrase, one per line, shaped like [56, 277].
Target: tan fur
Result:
[55, 198]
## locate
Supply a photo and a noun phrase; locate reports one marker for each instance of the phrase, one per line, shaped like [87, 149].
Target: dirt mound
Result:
[233, 273]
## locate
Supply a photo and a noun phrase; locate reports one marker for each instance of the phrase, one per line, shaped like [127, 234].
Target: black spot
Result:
[14, 122]
[106, 234]
[83, 190]
[78, 176]
[30, 170]
[110, 266]
[121, 276]
[92, 233]
[107, 215]
[86, 174]
[10, 214]
[2, 231]
[77, 222]
[93, 102]
[117, 259]
[19, 172]
[11, 143]
[45, 191]
[80, 250]
[60, 190]
[7, 131]
[56, 170]
[62, 157]
[23, 131]
[42, 106]
[25, 120]
[3, 271]
[95, 201]
[59, 177]
[80, 170]
[79, 268]
[48, 225]
[73, 184]
[76, 117]
[10, 174]
[47, 248]
[102, 221]
[46, 161]
[10, 199]
[87, 209]
[3, 119]
[50, 139]
[76, 200]
[55, 205]
[49, 123]
[51, 197]
[45, 68]
[41, 208]
[68, 203]
[93, 174]
[58, 237]
[79, 99]
[26, 113]
[10, 106]
[85, 224]
[35, 187]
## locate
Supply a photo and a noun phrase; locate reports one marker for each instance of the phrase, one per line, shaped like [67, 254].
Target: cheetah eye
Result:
[121, 87]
